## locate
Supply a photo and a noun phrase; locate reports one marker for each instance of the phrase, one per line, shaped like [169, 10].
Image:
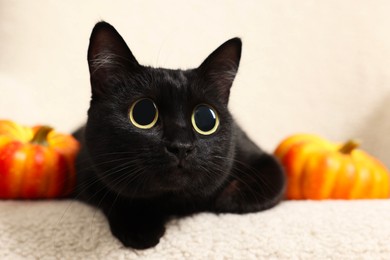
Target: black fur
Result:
[140, 178]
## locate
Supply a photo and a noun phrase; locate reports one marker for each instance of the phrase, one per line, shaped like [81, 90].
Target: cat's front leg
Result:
[135, 227]
[256, 184]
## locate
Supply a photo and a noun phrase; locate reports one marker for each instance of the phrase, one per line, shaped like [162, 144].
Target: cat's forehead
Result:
[172, 77]
[172, 82]
[173, 87]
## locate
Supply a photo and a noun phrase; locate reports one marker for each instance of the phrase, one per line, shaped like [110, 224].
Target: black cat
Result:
[160, 143]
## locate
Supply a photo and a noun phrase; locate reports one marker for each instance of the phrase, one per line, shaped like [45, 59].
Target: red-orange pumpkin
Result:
[35, 162]
[319, 169]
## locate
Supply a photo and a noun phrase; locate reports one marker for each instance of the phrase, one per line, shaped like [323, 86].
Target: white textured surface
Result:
[293, 230]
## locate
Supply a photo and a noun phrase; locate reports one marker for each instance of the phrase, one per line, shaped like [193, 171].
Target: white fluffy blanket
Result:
[292, 230]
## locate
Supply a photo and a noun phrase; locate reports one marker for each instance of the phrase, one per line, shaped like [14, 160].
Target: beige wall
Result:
[307, 66]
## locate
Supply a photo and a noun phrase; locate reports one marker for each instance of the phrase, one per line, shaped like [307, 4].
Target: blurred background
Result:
[307, 66]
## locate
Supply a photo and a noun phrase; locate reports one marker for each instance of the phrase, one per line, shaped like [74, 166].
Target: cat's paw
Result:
[138, 231]
[138, 238]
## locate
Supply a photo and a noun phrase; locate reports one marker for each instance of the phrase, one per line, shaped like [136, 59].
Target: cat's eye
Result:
[143, 113]
[205, 119]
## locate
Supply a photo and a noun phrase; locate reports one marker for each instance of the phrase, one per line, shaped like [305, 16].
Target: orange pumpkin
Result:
[35, 162]
[318, 169]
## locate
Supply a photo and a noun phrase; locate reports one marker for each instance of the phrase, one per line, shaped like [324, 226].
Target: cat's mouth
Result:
[179, 165]
[179, 162]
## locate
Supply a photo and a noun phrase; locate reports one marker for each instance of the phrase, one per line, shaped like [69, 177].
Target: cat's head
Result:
[152, 131]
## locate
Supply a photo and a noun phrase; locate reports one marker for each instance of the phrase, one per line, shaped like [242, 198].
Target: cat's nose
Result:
[180, 150]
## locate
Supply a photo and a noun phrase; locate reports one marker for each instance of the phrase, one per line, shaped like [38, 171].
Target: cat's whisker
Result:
[133, 178]
[119, 179]
[124, 155]
[255, 194]
[107, 173]
[253, 174]
[89, 184]
[86, 162]
[128, 179]
[86, 186]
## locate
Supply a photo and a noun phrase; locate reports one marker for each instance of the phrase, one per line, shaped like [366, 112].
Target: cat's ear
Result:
[220, 67]
[108, 53]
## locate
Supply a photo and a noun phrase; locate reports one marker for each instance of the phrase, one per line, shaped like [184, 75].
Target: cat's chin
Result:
[171, 179]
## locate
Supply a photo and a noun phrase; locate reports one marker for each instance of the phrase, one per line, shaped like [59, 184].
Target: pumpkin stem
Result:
[40, 137]
[349, 146]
